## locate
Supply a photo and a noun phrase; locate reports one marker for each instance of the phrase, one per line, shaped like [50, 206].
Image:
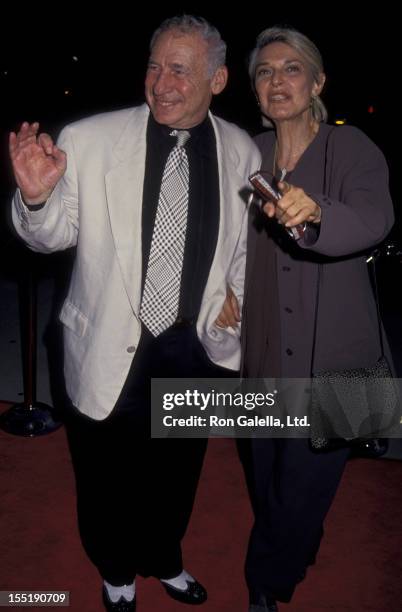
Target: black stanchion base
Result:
[29, 421]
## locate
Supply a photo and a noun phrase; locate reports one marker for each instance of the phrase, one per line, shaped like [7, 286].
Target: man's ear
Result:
[219, 80]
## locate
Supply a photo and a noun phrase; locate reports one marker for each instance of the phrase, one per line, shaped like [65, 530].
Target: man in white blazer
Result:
[98, 189]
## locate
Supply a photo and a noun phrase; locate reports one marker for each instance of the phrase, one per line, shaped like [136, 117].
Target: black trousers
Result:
[292, 492]
[135, 494]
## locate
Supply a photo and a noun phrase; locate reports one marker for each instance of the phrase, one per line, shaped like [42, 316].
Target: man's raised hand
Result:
[37, 162]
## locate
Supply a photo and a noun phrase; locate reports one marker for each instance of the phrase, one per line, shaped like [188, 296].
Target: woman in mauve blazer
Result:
[334, 180]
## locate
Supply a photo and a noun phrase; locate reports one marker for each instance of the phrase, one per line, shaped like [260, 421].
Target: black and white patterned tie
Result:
[160, 298]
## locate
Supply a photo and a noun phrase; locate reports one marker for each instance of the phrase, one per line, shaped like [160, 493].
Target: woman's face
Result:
[284, 83]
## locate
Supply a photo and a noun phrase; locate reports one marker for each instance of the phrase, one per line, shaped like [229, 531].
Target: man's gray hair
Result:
[305, 47]
[189, 24]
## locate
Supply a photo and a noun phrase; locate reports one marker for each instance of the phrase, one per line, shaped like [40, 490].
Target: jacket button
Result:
[286, 268]
[130, 349]
[289, 351]
[287, 309]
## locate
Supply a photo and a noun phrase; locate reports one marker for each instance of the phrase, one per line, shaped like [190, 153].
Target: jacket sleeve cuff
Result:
[30, 217]
[312, 232]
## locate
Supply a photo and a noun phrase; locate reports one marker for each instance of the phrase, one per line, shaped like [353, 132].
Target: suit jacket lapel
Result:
[124, 189]
[231, 211]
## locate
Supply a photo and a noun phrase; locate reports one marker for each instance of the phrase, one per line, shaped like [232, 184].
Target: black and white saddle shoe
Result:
[262, 604]
[194, 594]
[122, 605]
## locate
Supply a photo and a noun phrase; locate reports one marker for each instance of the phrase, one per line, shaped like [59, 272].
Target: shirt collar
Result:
[198, 133]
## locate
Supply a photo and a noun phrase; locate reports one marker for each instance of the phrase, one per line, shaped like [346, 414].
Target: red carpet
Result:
[359, 566]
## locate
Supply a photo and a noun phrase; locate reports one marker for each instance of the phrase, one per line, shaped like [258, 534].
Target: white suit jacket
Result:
[97, 206]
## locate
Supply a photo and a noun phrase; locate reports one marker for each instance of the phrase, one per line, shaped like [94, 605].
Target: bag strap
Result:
[372, 260]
